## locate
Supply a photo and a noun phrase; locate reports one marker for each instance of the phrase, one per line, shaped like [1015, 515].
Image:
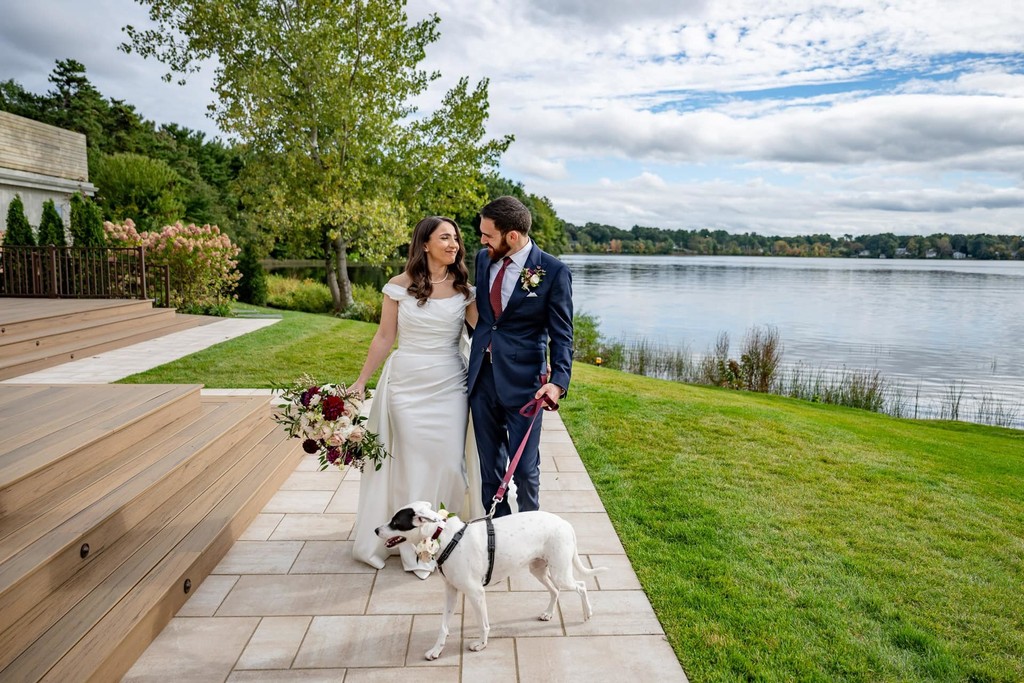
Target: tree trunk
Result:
[337, 276]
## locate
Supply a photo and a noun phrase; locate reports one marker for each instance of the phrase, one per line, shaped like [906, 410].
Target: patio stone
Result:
[604, 658]
[329, 557]
[193, 649]
[274, 644]
[355, 641]
[297, 595]
[259, 557]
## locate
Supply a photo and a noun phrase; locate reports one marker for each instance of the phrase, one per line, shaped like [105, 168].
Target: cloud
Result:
[34, 36]
[783, 116]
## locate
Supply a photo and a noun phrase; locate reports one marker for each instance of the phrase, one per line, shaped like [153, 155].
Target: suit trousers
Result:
[499, 432]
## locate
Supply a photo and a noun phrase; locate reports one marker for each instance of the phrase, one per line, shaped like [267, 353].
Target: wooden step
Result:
[46, 552]
[76, 334]
[14, 367]
[59, 433]
[101, 635]
[20, 316]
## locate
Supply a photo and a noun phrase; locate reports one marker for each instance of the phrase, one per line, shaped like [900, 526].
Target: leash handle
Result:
[532, 409]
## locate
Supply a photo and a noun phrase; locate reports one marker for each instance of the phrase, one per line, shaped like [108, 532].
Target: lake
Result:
[933, 327]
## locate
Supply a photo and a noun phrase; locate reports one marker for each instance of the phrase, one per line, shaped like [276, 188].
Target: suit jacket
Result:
[532, 322]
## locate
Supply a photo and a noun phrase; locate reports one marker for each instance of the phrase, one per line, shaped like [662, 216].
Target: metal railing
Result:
[82, 273]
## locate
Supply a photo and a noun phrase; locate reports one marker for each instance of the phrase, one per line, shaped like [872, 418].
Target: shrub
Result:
[134, 185]
[201, 261]
[368, 302]
[86, 222]
[307, 295]
[252, 287]
[586, 337]
[760, 358]
[19, 232]
[51, 227]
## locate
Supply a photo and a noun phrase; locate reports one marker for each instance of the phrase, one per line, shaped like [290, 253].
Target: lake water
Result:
[933, 327]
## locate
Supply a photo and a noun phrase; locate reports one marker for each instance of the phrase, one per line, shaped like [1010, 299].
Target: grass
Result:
[784, 540]
[777, 539]
[327, 348]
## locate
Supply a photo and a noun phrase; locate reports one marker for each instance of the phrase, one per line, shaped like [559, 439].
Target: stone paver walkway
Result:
[288, 602]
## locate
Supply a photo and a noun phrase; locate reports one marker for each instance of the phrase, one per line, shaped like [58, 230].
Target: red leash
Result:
[531, 410]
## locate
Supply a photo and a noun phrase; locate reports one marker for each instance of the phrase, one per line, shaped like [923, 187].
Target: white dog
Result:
[539, 540]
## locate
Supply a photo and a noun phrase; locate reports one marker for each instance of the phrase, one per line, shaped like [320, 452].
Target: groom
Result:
[528, 311]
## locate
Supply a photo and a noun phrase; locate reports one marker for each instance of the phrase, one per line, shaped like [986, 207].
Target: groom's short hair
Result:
[508, 214]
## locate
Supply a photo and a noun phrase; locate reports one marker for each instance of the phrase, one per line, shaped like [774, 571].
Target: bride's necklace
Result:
[437, 282]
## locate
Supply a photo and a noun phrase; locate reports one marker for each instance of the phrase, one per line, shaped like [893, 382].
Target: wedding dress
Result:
[421, 413]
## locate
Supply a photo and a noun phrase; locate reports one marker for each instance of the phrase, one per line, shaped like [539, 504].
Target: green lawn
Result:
[777, 539]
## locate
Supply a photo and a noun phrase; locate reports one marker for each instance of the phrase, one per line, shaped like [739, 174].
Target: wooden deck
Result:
[41, 333]
[116, 501]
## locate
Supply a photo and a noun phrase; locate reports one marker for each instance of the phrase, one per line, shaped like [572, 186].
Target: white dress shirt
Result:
[512, 273]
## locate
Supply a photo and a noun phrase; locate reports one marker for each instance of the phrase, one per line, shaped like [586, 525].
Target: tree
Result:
[19, 232]
[51, 227]
[137, 187]
[76, 104]
[319, 91]
[86, 222]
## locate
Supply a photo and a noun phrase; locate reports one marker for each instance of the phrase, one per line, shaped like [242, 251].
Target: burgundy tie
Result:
[496, 288]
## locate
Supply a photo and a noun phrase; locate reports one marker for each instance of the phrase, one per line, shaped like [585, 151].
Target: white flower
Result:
[427, 548]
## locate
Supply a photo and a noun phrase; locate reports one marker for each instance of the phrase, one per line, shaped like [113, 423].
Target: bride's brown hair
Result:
[416, 266]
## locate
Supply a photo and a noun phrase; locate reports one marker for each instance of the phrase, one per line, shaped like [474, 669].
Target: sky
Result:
[781, 117]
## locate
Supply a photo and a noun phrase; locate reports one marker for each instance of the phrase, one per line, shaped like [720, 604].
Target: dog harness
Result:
[448, 549]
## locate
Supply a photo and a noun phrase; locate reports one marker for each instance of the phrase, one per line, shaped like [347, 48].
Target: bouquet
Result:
[326, 417]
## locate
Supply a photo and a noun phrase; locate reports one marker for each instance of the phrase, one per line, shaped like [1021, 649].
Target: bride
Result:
[420, 408]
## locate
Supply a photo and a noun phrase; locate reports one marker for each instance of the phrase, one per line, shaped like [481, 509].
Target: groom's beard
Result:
[499, 252]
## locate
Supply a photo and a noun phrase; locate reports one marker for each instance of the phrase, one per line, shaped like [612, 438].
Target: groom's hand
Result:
[552, 392]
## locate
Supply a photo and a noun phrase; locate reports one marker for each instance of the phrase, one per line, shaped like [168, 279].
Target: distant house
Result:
[902, 251]
[931, 253]
[959, 255]
[40, 162]
[865, 253]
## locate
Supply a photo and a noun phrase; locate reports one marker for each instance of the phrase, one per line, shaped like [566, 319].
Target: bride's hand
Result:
[357, 390]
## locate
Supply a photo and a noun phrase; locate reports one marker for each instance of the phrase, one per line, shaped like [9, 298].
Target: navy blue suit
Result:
[533, 323]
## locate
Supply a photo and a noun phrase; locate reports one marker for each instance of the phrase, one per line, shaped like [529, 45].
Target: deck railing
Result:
[82, 273]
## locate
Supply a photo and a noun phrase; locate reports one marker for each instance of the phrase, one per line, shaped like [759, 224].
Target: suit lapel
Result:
[483, 290]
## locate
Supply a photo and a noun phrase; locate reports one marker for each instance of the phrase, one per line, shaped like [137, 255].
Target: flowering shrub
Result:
[326, 417]
[202, 261]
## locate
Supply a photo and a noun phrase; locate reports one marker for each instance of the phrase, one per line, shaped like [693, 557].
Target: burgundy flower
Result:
[310, 446]
[333, 453]
[333, 407]
[308, 395]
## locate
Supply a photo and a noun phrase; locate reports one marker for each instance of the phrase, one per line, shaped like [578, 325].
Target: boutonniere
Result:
[530, 278]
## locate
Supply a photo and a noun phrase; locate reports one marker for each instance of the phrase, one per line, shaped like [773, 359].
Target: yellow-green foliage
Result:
[367, 306]
[298, 295]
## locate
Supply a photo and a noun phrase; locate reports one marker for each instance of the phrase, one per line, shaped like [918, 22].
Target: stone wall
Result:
[40, 162]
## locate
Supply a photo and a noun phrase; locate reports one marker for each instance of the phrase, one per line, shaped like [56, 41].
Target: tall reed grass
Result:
[760, 368]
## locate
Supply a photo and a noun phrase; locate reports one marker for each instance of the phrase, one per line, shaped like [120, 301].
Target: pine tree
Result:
[19, 232]
[252, 288]
[51, 227]
[86, 222]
